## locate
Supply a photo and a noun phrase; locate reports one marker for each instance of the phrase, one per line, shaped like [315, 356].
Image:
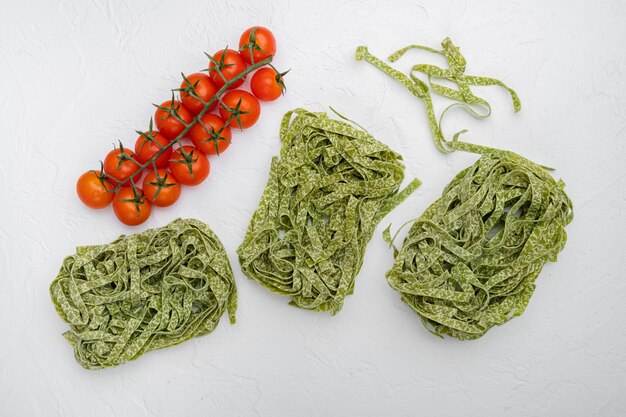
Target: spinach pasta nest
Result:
[471, 260]
[143, 292]
[331, 186]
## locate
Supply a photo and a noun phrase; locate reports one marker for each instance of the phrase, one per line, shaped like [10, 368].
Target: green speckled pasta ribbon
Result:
[331, 186]
[143, 292]
[464, 96]
[471, 260]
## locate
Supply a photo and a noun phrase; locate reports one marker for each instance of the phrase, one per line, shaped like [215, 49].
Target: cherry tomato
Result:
[243, 106]
[161, 189]
[120, 164]
[189, 166]
[94, 190]
[131, 208]
[204, 134]
[267, 84]
[168, 125]
[229, 65]
[260, 44]
[149, 144]
[203, 87]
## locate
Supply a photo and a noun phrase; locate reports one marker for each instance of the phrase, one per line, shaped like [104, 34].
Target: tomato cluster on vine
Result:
[209, 106]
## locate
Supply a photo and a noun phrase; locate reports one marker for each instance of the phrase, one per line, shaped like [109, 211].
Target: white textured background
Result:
[77, 75]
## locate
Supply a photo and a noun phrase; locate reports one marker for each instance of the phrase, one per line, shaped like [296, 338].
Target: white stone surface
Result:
[77, 75]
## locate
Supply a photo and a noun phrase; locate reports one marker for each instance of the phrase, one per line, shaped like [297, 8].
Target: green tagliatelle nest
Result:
[143, 292]
[325, 195]
[471, 260]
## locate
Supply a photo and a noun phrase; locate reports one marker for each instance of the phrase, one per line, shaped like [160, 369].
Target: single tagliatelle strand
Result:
[327, 192]
[143, 292]
[471, 260]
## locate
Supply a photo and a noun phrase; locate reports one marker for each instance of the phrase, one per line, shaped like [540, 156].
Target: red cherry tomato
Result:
[120, 164]
[267, 84]
[166, 123]
[130, 207]
[94, 190]
[229, 65]
[244, 107]
[210, 135]
[203, 87]
[189, 166]
[162, 190]
[257, 43]
[149, 144]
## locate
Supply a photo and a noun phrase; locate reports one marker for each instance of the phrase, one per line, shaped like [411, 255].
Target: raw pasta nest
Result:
[143, 292]
[471, 260]
[331, 186]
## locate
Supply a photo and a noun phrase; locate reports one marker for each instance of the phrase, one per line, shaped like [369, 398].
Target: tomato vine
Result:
[174, 120]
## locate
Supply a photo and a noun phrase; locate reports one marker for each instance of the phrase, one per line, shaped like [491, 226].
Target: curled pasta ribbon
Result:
[143, 292]
[471, 260]
[464, 96]
[326, 193]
